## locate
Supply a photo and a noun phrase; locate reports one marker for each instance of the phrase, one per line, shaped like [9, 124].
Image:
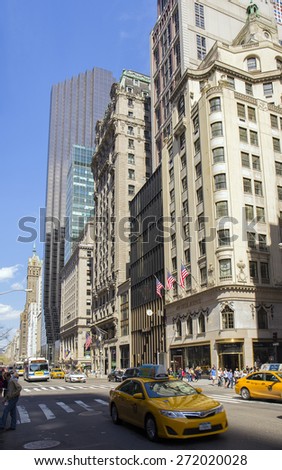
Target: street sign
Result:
[275, 344]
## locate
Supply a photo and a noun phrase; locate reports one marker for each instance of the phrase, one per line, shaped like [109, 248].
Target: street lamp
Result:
[15, 290]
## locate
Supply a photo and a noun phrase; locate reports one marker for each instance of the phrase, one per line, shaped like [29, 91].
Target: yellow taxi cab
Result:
[57, 373]
[263, 384]
[166, 407]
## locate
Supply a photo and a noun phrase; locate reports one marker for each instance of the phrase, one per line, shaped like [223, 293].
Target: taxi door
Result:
[256, 384]
[138, 406]
[273, 386]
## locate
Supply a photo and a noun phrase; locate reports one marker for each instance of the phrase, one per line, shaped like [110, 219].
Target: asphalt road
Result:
[58, 415]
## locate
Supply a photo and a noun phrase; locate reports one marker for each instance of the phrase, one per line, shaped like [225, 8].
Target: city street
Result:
[59, 415]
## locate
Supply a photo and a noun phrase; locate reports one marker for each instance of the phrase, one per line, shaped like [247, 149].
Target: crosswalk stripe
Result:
[37, 389]
[65, 407]
[47, 412]
[27, 390]
[62, 388]
[72, 388]
[23, 414]
[44, 388]
[81, 403]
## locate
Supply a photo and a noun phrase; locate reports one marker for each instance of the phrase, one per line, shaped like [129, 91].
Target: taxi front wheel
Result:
[151, 428]
[245, 394]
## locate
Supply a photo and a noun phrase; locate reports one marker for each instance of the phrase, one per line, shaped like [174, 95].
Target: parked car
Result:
[75, 376]
[57, 373]
[116, 375]
[131, 372]
[166, 407]
[263, 384]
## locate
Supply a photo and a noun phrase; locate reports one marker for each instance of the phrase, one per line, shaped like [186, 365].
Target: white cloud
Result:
[8, 272]
[7, 314]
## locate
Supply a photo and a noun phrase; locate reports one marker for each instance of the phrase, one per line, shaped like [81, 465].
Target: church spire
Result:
[252, 9]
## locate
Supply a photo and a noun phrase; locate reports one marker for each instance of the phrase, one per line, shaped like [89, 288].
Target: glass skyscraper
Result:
[80, 202]
[76, 105]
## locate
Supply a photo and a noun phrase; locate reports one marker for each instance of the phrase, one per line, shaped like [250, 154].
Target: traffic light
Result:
[274, 335]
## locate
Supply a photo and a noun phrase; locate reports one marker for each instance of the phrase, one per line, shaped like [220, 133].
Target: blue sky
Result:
[43, 43]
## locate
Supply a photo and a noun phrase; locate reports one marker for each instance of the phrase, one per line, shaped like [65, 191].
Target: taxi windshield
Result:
[169, 388]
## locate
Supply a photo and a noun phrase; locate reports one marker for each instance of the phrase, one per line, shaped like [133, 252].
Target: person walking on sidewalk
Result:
[10, 402]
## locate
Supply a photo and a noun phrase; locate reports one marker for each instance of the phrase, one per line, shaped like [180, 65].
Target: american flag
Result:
[88, 341]
[183, 274]
[170, 280]
[159, 287]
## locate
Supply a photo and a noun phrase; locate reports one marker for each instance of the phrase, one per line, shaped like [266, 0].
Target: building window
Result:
[256, 162]
[131, 190]
[220, 182]
[260, 214]
[203, 275]
[221, 209]
[249, 89]
[252, 63]
[247, 185]
[187, 256]
[243, 135]
[198, 170]
[262, 242]
[202, 247]
[251, 114]
[201, 221]
[218, 155]
[276, 144]
[241, 111]
[131, 174]
[178, 328]
[201, 47]
[196, 124]
[245, 159]
[185, 207]
[181, 106]
[183, 161]
[197, 146]
[215, 104]
[130, 103]
[274, 121]
[130, 143]
[184, 183]
[225, 269]
[186, 231]
[264, 272]
[253, 266]
[201, 323]
[262, 319]
[130, 130]
[279, 191]
[131, 158]
[278, 168]
[223, 237]
[217, 129]
[268, 89]
[189, 325]
[253, 138]
[258, 188]
[251, 238]
[199, 15]
[199, 195]
[231, 81]
[227, 318]
[172, 195]
[249, 212]
[182, 141]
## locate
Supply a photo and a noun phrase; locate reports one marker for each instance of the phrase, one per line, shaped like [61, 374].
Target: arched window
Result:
[227, 318]
[181, 106]
[178, 328]
[189, 326]
[252, 63]
[201, 323]
[262, 319]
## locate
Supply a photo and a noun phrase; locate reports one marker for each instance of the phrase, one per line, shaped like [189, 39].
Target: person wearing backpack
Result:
[10, 402]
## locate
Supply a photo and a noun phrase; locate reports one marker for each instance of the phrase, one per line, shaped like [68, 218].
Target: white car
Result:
[75, 377]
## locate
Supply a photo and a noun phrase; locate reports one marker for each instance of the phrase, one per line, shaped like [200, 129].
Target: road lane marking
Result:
[83, 405]
[47, 412]
[61, 388]
[65, 407]
[23, 414]
[102, 402]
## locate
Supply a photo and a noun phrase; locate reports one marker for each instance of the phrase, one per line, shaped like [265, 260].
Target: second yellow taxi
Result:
[264, 384]
[57, 373]
[166, 407]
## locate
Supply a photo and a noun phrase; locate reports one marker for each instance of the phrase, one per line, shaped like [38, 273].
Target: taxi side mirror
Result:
[138, 396]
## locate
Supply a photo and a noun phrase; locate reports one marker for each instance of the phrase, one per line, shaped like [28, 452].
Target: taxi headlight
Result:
[173, 414]
[219, 409]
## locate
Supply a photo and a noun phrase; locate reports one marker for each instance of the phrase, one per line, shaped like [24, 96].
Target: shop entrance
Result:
[231, 360]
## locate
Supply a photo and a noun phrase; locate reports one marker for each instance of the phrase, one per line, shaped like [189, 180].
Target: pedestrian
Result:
[213, 375]
[10, 402]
